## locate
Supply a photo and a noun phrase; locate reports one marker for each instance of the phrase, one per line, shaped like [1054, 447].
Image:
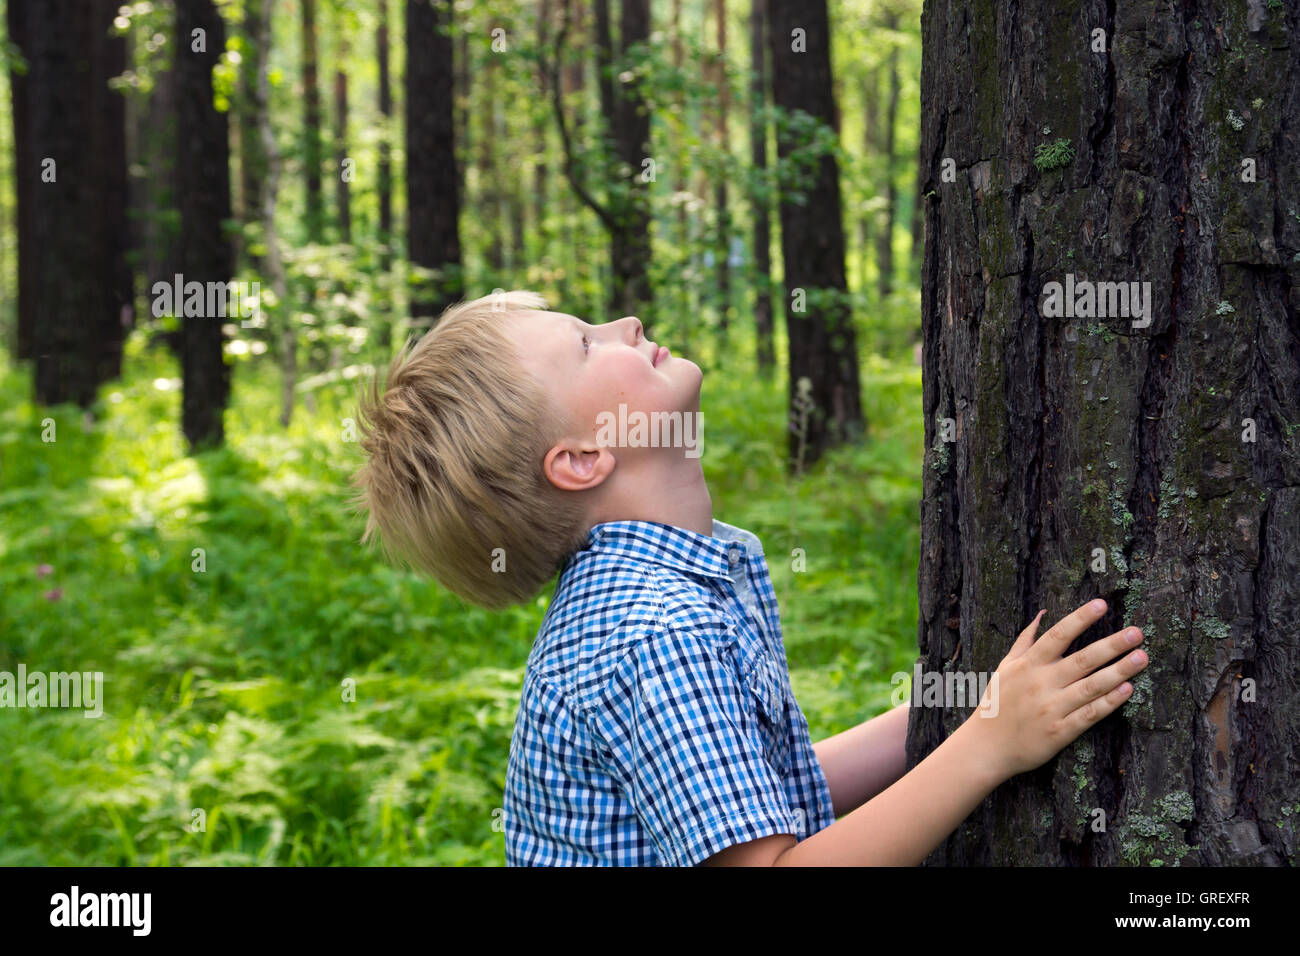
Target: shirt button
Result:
[733, 555]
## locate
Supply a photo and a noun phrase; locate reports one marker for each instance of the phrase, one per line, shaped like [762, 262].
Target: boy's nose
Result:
[638, 329]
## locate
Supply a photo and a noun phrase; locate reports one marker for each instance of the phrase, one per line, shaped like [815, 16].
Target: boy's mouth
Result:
[661, 354]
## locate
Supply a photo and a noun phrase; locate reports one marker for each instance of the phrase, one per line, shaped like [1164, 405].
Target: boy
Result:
[656, 724]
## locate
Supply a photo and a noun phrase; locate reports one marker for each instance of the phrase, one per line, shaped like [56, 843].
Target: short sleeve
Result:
[678, 728]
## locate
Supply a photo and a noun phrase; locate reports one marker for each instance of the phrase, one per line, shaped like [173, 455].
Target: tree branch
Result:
[570, 171]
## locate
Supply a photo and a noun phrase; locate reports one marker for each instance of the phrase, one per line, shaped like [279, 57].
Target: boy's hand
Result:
[1043, 701]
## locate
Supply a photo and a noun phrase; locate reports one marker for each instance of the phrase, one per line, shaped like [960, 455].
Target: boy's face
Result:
[590, 369]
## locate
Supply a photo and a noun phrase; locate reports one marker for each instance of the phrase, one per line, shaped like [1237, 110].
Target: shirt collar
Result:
[718, 555]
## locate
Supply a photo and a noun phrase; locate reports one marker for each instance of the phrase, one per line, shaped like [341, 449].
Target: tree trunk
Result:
[70, 148]
[540, 173]
[823, 346]
[288, 348]
[464, 89]
[252, 157]
[203, 192]
[679, 191]
[1144, 455]
[383, 322]
[385, 180]
[153, 188]
[311, 151]
[870, 146]
[342, 176]
[108, 143]
[573, 87]
[433, 210]
[488, 146]
[885, 250]
[26, 180]
[761, 200]
[631, 240]
[723, 244]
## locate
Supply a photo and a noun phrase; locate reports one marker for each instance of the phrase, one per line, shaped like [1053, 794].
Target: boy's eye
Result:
[586, 343]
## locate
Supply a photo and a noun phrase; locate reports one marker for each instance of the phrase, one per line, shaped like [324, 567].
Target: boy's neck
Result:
[670, 492]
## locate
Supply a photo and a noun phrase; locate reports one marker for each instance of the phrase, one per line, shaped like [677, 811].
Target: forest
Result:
[1011, 325]
[347, 169]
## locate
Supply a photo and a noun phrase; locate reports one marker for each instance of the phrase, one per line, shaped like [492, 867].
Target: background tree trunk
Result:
[252, 157]
[464, 89]
[78, 283]
[631, 241]
[342, 199]
[885, 247]
[203, 193]
[311, 120]
[433, 210]
[722, 245]
[540, 151]
[1095, 458]
[761, 200]
[385, 180]
[26, 179]
[487, 148]
[683, 243]
[870, 146]
[822, 342]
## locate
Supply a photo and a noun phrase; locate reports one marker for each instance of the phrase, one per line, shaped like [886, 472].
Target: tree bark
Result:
[631, 241]
[311, 120]
[463, 91]
[203, 193]
[433, 209]
[1102, 456]
[342, 199]
[252, 157]
[541, 177]
[625, 213]
[490, 205]
[385, 180]
[761, 199]
[683, 244]
[108, 112]
[26, 179]
[870, 146]
[70, 151]
[885, 248]
[723, 244]
[823, 346]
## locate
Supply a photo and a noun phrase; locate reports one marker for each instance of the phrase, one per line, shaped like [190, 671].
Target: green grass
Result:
[224, 688]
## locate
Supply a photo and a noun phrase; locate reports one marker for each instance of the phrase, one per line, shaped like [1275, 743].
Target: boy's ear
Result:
[572, 467]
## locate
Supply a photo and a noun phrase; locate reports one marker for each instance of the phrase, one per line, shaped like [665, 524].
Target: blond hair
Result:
[455, 446]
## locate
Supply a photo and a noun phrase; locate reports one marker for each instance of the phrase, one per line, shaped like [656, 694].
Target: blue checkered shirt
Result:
[656, 725]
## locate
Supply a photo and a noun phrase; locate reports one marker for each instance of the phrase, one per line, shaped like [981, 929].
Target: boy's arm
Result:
[904, 824]
[1043, 702]
[862, 761]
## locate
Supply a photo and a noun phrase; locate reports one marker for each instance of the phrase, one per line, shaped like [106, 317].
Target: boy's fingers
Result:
[1094, 710]
[1084, 662]
[1026, 638]
[1052, 645]
[1104, 681]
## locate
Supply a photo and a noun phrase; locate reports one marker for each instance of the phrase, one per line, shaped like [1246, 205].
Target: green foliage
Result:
[1054, 155]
